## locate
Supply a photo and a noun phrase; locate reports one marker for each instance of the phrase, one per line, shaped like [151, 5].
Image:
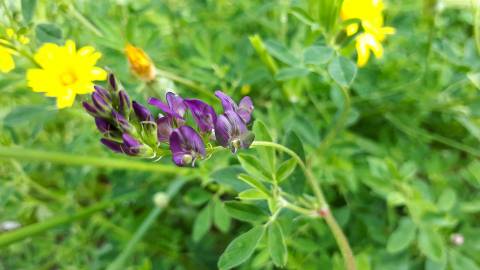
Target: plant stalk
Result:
[79, 160]
[324, 211]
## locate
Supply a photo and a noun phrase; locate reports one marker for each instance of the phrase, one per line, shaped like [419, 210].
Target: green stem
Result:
[120, 261]
[339, 124]
[72, 159]
[186, 82]
[324, 211]
[37, 228]
[313, 183]
[79, 16]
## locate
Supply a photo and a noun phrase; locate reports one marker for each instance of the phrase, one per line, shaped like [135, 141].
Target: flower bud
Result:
[140, 63]
[124, 104]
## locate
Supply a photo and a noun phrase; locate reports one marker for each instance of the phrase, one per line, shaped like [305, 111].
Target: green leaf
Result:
[281, 52]
[402, 237]
[277, 245]
[286, 169]
[46, 32]
[221, 218]
[296, 181]
[241, 248]
[202, 223]
[28, 9]
[254, 183]
[253, 166]
[267, 154]
[289, 73]
[459, 261]
[431, 265]
[252, 195]
[431, 244]
[245, 212]
[342, 71]
[317, 55]
[474, 78]
[447, 199]
[303, 16]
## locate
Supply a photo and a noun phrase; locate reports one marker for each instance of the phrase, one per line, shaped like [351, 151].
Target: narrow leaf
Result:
[281, 52]
[28, 9]
[48, 33]
[254, 183]
[252, 166]
[202, 223]
[245, 212]
[317, 55]
[342, 71]
[267, 154]
[277, 245]
[252, 195]
[402, 237]
[286, 169]
[221, 218]
[289, 73]
[431, 244]
[241, 248]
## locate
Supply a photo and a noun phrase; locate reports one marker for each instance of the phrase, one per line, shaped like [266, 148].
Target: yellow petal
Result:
[70, 47]
[10, 32]
[6, 61]
[98, 74]
[363, 53]
[66, 100]
[352, 29]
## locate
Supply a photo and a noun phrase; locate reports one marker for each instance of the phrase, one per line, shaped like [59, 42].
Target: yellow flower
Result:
[370, 14]
[6, 59]
[65, 72]
[140, 63]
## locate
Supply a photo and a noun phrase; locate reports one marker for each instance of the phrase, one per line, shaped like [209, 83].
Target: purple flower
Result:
[142, 113]
[90, 109]
[104, 126]
[113, 145]
[244, 109]
[112, 81]
[164, 128]
[175, 106]
[124, 104]
[232, 132]
[101, 102]
[121, 121]
[186, 146]
[130, 145]
[203, 114]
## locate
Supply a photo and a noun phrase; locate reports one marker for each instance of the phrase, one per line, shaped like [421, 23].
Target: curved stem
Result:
[337, 232]
[340, 123]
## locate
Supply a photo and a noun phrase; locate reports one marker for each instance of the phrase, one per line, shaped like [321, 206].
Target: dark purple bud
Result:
[100, 102]
[204, 114]
[121, 121]
[164, 128]
[114, 146]
[112, 81]
[90, 109]
[186, 146]
[131, 146]
[124, 104]
[231, 132]
[103, 125]
[102, 92]
[142, 113]
[244, 109]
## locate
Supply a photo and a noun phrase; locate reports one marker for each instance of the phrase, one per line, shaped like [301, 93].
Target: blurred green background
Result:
[402, 178]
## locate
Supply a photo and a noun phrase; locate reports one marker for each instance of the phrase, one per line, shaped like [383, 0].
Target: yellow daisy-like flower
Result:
[140, 63]
[370, 14]
[65, 72]
[6, 59]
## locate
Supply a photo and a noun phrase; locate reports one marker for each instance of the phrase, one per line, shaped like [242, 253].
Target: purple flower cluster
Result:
[136, 132]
